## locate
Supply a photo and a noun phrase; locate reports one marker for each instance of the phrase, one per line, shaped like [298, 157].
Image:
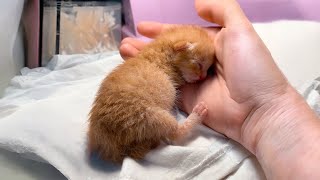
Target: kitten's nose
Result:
[202, 77]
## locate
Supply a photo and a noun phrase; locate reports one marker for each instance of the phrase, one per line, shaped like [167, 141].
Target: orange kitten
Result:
[131, 113]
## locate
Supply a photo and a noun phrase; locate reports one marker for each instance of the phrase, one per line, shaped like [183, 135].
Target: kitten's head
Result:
[194, 53]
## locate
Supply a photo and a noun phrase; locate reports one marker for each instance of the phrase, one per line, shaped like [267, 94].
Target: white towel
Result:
[44, 117]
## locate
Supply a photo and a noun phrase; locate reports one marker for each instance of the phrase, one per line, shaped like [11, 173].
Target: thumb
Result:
[223, 12]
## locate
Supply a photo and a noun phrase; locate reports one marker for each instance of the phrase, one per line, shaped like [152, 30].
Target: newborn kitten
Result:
[131, 113]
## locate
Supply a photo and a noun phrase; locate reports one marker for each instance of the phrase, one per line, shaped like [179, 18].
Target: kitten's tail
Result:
[108, 150]
[91, 142]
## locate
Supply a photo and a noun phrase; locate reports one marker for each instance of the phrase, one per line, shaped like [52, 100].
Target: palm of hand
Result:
[224, 112]
[232, 92]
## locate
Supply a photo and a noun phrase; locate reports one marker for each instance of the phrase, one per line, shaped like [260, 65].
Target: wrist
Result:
[265, 118]
[284, 113]
[279, 130]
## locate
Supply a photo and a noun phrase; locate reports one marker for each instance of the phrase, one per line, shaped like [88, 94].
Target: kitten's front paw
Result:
[200, 110]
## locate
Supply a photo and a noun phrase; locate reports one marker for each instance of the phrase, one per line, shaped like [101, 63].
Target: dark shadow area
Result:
[99, 164]
[13, 166]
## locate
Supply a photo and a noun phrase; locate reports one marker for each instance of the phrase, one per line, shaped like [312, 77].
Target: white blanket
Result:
[44, 117]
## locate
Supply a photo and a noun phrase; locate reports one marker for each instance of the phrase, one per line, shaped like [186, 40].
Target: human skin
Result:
[249, 99]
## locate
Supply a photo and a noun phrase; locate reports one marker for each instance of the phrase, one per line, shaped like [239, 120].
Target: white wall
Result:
[11, 41]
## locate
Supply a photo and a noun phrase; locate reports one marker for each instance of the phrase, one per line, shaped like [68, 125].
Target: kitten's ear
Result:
[183, 45]
[180, 46]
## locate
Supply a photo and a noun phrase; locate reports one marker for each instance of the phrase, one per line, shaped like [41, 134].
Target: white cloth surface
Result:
[44, 117]
[294, 45]
[311, 93]
[15, 167]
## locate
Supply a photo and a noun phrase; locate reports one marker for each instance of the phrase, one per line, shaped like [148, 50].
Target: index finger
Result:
[152, 29]
[223, 12]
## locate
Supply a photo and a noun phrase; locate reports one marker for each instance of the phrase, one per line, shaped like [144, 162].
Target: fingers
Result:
[139, 44]
[225, 13]
[130, 47]
[127, 51]
[152, 29]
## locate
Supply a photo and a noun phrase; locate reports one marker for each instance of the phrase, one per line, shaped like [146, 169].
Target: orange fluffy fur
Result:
[131, 113]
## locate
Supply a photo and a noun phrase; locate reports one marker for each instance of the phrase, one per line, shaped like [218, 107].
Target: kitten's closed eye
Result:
[196, 64]
[200, 66]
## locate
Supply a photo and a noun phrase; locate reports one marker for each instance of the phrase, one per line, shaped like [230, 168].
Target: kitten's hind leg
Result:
[199, 112]
[164, 125]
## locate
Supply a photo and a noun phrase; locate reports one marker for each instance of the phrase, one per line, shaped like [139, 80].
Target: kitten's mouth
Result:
[191, 81]
[202, 77]
[194, 79]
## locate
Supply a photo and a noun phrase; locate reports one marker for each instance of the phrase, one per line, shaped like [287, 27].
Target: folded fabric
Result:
[311, 93]
[44, 117]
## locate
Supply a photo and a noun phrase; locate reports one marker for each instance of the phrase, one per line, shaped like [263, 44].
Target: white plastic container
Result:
[83, 27]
